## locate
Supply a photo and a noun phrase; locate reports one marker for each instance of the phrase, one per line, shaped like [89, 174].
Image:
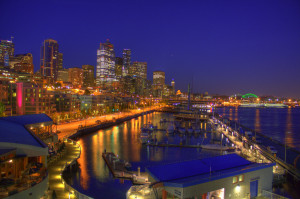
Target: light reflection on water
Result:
[94, 178]
[281, 124]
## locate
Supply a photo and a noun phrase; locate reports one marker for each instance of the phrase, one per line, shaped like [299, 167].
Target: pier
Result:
[118, 169]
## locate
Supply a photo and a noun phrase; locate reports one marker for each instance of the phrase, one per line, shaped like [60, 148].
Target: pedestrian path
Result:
[55, 169]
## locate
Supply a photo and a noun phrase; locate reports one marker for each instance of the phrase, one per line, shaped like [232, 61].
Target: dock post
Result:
[139, 171]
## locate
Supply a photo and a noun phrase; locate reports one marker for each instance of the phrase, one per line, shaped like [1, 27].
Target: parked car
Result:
[272, 149]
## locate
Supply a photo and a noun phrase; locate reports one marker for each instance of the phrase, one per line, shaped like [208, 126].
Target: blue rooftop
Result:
[192, 172]
[15, 133]
[28, 119]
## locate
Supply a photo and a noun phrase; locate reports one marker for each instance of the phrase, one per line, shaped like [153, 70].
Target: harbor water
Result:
[94, 178]
[282, 124]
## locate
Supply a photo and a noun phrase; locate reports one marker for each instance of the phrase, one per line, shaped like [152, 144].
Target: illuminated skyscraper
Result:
[119, 67]
[88, 76]
[138, 69]
[158, 83]
[60, 61]
[7, 49]
[49, 60]
[76, 77]
[105, 72]
[126, 61]
[173, 86]
[24, 63]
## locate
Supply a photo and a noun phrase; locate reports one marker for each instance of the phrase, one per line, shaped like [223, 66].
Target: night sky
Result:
[219, 46]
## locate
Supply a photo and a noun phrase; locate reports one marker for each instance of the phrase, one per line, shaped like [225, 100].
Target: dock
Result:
[118, 169]
[208, 147]
[191, 116]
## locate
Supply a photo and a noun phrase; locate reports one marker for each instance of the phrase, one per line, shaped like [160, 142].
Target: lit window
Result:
[241, 178]
[235, 179]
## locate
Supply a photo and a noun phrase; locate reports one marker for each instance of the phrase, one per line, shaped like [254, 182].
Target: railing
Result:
[66, 185]
[267, 194]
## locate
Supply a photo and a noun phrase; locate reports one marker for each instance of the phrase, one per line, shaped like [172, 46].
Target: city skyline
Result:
[240, 48]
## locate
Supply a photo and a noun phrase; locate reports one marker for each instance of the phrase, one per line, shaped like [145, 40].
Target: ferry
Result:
[276, 105]
[252, 105]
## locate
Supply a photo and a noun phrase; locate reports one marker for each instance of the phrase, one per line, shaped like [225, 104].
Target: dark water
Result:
[94, 178]
[282, 124]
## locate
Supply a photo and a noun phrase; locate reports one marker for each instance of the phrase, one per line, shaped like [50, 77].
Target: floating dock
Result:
[118, 168]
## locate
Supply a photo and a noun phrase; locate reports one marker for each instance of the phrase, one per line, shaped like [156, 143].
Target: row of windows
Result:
[237, 179]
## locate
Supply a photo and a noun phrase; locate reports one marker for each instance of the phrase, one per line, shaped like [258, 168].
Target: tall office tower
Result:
[126, 61]
[138, 69]
[7, 49]
[49, 60]
[24, 63]
[76, 77]
[119, 67]
[88, 76]
[60, 61]
[105, 72]
[159, 78]
[173, 86]
[158, 83]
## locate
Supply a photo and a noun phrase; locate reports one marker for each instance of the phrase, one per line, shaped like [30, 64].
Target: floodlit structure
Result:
[23, 155]
[227, 176]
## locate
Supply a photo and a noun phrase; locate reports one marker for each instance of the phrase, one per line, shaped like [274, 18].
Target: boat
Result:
[252, 105]
[145, 135]
[171, 129]
[190, 130]
[271, 105]
[181, 130]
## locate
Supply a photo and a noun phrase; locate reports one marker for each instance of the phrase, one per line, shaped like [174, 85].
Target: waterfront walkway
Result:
[55, 169]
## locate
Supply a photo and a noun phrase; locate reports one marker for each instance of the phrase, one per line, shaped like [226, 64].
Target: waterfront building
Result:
[227, 176]
[49, 60]
[63, 75]
[29, 98]
[7, 49]
[105, 72]
[60, 60]
[23, 155]
[119, 67]
[22, 63]
[76, 77]
[138, 69]
[126, 61]
[88, 76]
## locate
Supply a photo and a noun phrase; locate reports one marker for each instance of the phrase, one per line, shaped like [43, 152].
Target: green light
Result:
[249, 95]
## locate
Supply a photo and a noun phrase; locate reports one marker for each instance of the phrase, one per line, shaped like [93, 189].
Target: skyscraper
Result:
[119, 67]
[173, 86]
[158, 83]
[24, 63]
[7, 49]
[138, 69]
[126, 61]
[105, 72]
[49, 60]
[88, 76]
[60, 61]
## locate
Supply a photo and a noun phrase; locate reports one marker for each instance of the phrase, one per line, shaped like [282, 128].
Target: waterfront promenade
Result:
[67, 129]
[72, 152]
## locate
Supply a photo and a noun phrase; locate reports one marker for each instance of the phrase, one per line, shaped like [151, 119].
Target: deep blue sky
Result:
[226, 47]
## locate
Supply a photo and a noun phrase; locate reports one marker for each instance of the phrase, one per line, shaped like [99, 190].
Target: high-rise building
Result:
[23, 63]
[173, 86]
[49, 60]
[60, 61]
[158, 83]
[105, 72]
[76, 77]
[7, 49]
[119, 67]
[126, 61]
[138, 69]
[88, 76]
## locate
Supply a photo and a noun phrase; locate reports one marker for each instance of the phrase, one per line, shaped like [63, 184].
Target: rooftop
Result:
[198, 171]
[28, 119]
